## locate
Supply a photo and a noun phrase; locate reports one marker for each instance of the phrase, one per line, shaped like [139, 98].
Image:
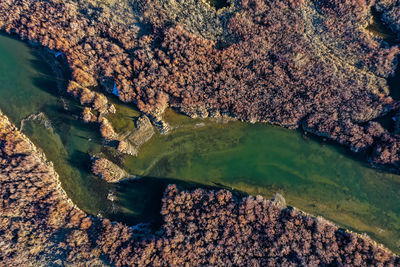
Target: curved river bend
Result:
[252, 158]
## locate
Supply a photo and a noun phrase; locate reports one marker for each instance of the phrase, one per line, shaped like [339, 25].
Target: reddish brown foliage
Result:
[39, 227]
[286, 62]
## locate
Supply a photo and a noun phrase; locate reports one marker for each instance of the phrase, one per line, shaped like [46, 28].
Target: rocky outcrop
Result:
[40, 226]
[130, 142]
[125, 147]
[39, 117]
[284, 62]
[108, 171]
[318, 68]
[143, 132]
[126, 142]
[161, 125]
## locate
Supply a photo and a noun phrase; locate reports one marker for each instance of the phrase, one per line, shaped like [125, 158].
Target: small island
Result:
[39, 225]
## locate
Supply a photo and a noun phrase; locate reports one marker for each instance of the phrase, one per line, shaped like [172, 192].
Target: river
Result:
[313, 175]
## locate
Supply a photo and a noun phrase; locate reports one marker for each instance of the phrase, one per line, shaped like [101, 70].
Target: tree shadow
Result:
[381, 30]
[218, 4]
[394, 84]
[140, 200]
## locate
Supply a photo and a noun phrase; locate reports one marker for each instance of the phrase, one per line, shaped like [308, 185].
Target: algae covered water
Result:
[316, 177]
[28, 87]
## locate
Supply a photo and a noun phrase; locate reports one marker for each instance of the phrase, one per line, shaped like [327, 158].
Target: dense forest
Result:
[307, 64]
[39, 225]
[295, 63]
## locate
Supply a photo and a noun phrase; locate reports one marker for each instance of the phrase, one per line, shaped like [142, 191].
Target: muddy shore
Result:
[235, 69]
[40, 225]
[319, 69]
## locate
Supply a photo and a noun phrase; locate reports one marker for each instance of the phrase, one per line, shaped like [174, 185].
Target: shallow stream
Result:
[315, 176]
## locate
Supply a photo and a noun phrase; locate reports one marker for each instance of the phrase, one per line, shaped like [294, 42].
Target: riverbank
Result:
[343, 191]
[338, 95]
[39, 225]
[352, 131]
[253, 158]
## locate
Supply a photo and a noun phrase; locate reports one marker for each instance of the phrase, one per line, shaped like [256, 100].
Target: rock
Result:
[231, 60]
[196, 112]
[108, 171]
[111, 108]
[161, 125]
[279, 201]
[143, 132]
[126, 147]
[39, 224]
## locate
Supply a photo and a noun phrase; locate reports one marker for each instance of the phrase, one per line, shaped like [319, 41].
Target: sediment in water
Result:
[354, 138]
[39, 225]
[327, 75]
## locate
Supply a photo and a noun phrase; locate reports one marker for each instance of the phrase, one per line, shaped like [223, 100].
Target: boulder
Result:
[108, 171]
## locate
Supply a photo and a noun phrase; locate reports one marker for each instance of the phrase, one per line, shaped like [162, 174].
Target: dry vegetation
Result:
[294, 63]
[308, 64]
[38, 226]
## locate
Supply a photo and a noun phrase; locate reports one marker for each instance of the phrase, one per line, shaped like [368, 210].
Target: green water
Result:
[27, 86]
[316, 177]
